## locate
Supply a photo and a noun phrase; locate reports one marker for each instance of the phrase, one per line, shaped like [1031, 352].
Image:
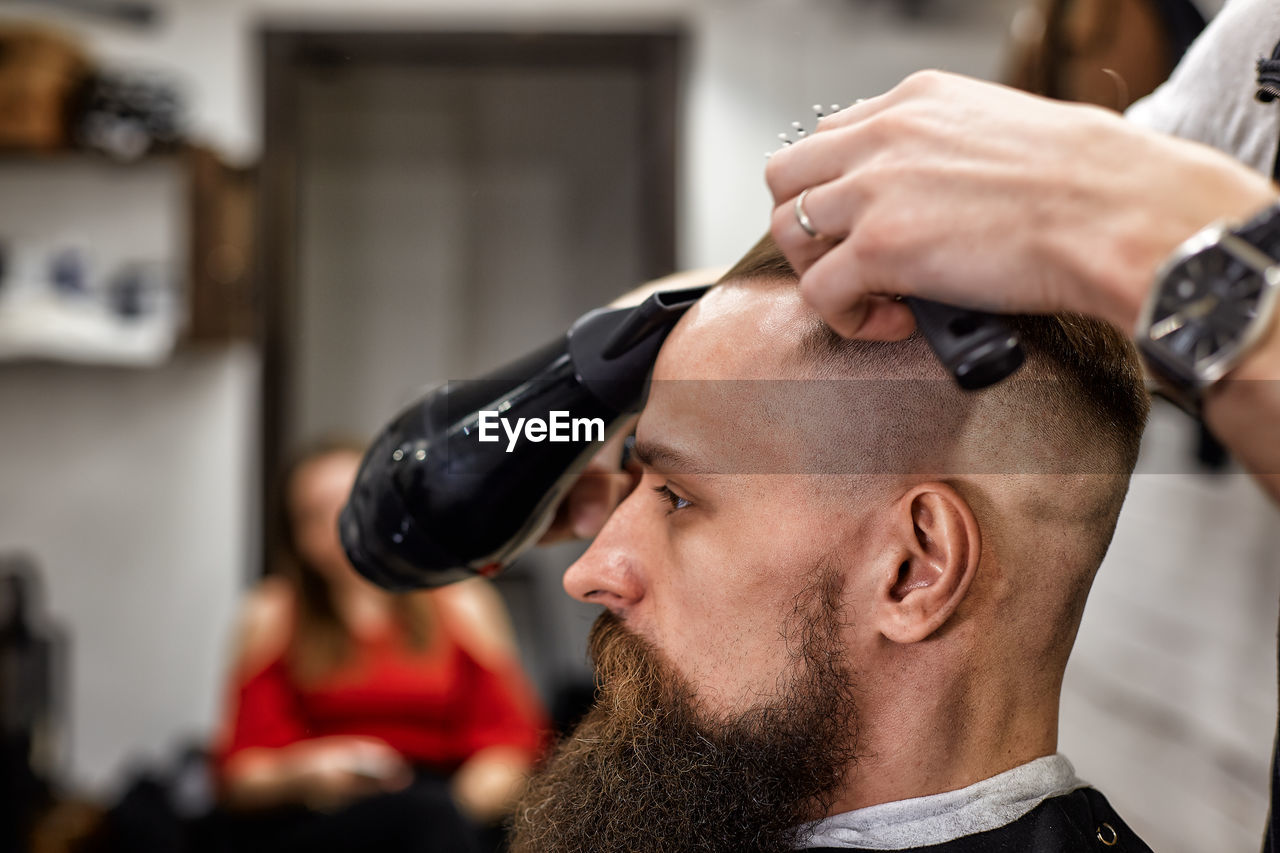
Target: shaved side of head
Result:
[1043, 457]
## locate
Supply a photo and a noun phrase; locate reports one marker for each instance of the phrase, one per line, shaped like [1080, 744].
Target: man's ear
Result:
[937, 544]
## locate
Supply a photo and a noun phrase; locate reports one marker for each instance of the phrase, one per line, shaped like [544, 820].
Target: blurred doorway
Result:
[437, 203]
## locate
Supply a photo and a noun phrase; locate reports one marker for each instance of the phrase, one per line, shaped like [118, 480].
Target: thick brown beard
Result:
[646, 770]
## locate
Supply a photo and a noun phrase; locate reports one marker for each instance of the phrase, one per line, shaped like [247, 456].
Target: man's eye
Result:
[671, 498]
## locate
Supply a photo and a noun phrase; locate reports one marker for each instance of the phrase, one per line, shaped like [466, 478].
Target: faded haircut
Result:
[1097, 372]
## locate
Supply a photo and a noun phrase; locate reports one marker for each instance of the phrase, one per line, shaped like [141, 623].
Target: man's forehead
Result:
[743, 385]
[737, 331]
[714, 403]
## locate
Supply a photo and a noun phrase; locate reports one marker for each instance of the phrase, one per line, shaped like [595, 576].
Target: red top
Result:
[436, 707]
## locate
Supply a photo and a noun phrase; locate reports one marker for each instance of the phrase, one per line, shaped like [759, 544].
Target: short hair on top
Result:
[1098, 368]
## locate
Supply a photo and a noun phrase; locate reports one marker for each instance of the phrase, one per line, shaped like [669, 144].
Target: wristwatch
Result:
[1213, 299]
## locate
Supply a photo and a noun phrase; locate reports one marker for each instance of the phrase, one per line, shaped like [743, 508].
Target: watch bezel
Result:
[1217, 237]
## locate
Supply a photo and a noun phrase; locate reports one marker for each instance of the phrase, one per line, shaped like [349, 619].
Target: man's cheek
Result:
[733, 665]
[705, 646]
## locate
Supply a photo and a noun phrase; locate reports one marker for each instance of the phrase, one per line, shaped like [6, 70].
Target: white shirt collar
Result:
[922, 821]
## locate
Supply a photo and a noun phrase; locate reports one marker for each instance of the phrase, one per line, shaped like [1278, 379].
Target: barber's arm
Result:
[979, 195]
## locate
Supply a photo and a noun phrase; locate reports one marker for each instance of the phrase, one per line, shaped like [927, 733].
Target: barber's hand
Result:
[331, 772]
[982, 196]
[599, 489]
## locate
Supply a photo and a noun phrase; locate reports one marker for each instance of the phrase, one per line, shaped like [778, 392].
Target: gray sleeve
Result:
[1210, 95]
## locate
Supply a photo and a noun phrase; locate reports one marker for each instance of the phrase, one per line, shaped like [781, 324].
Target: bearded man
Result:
[841, 597]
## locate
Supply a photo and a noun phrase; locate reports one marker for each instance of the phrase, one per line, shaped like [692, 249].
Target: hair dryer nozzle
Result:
[660, 310]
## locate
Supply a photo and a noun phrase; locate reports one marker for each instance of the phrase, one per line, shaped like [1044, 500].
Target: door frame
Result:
[288, 54]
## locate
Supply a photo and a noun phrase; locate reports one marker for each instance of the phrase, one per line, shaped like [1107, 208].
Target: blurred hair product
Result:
[140, 289]
[69, 272]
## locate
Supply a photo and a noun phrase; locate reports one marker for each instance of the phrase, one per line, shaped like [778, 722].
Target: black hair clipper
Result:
[976, 348]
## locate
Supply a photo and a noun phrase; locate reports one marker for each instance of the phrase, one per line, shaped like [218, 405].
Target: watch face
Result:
[1205, 308]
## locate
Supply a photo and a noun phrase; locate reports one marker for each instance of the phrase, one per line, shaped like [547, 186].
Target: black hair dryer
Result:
[444, 494]
[433, 503]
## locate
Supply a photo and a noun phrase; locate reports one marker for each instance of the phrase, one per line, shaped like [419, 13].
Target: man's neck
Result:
[916, 744]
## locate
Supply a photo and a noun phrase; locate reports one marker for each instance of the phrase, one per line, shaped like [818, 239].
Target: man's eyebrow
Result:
[662, 457]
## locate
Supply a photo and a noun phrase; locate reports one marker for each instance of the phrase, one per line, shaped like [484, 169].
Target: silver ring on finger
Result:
[802, 217]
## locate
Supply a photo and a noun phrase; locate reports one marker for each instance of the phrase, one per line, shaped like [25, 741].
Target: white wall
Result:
[131, 489]
[1169, 703]
[754, 66]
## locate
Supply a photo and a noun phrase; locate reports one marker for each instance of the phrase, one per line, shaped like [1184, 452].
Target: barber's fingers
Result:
[593, 500]
[843, 289]
[851, 153]
[848, 136]
[602, 485]
[830, 271]
[590, 502]
[886, 319]
[801, 248]
[832, 210]
[816, 161]
[824, 154]
[851, 166]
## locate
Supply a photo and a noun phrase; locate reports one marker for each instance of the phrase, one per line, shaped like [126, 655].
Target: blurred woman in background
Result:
[365, 720]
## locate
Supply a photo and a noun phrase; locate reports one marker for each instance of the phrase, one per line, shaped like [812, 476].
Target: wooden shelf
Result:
[206, 218]
[80, 155]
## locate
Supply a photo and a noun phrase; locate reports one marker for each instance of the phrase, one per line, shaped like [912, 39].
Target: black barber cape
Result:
[1080, 822]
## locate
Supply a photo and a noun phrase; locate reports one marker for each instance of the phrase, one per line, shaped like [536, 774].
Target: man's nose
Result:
[609, 573]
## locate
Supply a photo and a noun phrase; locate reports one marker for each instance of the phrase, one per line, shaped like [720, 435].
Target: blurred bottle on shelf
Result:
[138, 290]
[69, 273]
